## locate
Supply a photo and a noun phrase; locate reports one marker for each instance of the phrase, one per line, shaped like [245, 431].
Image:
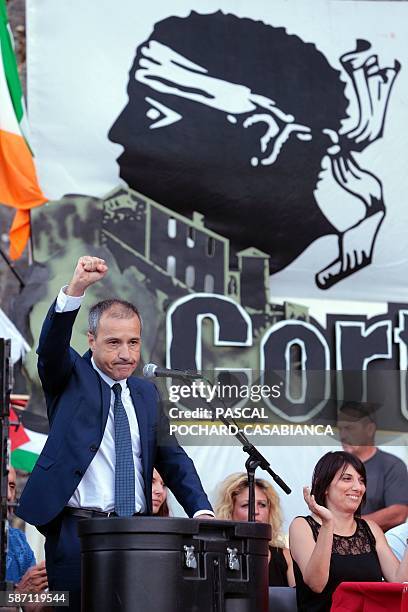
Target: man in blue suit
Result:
[107, 430]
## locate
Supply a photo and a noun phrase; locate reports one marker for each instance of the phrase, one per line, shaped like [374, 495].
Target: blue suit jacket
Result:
[78, 403]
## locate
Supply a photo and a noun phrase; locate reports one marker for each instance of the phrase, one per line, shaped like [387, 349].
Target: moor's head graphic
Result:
[233, 118]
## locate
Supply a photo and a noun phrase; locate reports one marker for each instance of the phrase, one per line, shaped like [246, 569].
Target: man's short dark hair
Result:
[119, 309]
[358, 410]
[326, 469]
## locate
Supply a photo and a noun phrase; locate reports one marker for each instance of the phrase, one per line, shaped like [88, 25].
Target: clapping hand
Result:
[321, 512]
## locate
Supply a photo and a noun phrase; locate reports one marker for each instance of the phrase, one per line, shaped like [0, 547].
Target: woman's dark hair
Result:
[326, 469]
[163, 510]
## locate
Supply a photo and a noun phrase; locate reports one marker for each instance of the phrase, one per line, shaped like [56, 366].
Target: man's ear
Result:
[372, 428]
[91, 340]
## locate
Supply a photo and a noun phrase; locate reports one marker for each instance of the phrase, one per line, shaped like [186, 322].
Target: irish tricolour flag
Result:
[28, 437]
[19, 187]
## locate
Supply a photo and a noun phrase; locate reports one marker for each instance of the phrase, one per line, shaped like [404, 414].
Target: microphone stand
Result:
[12, 268]
[255, 458]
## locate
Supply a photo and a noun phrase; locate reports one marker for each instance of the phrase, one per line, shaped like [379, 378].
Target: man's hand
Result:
[89, 270]
[205, 516]
[34, 580]
[388, 517]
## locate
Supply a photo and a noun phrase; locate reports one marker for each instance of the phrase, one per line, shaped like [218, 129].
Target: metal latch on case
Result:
[190, 560]
[233, 560]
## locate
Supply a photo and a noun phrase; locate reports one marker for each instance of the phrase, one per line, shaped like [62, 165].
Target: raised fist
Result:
[88, 271]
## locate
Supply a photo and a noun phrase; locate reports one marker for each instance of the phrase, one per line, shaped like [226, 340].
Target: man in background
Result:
[387, 478]
[21, 567]
[397, 539]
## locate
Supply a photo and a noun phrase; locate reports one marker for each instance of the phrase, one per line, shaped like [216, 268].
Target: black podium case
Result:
[150, 564]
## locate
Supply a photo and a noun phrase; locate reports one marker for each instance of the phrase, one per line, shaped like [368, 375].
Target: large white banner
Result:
[281, 123]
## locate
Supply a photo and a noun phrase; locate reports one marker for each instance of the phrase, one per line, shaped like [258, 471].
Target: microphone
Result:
[151, 370]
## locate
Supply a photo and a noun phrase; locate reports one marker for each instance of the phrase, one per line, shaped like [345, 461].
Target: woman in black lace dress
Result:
[334, 544]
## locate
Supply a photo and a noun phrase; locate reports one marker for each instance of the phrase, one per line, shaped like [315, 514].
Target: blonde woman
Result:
[232, 504]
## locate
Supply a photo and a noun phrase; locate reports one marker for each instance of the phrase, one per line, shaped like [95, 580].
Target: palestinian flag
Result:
[28, 434]
[19, 187]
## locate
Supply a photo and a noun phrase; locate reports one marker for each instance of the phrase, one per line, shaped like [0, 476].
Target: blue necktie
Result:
[125, 469]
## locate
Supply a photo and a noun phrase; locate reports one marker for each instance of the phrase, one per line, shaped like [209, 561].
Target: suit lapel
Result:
[106, 400]
[105, 390]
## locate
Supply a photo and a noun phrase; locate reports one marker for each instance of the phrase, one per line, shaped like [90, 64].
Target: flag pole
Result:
[11, 268]
[30, 250]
